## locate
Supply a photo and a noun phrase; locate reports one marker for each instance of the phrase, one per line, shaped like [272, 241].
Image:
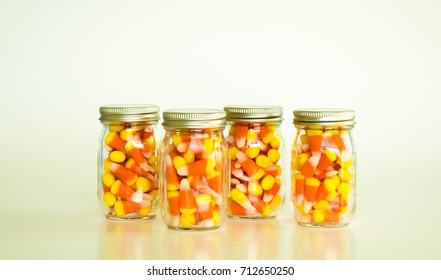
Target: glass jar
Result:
[127, 161]
[255, 151]
[323, 167]
[194, 169]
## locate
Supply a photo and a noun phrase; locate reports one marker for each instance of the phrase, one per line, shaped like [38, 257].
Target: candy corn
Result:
[129, 180]
[256, 171]
[114, 141]
[127, 176]
[187, 203]
[322, 177]
[249, 166]
[195, 185]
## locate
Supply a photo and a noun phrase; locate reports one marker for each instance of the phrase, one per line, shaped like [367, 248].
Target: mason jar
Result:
[255, 152]
[323, 167]
[127, 161]
[193, 169]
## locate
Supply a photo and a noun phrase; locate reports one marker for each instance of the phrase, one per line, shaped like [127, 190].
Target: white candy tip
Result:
[184, 185]
[137, 197]
[241, 156]
[241, 142]
[183, 171]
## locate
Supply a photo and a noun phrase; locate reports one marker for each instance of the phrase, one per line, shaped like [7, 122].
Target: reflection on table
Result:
[278, 238]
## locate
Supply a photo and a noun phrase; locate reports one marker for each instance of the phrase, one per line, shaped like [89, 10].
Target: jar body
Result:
[323, 175]
[255, 152]
[193, 181]
[127, 170]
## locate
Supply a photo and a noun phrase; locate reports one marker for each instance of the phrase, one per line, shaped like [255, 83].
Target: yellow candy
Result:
[176, 139]
[300, 208]
[268, 138]
[330, 155]
[240, 198]
[150, 142]
[266, 210]
[187, 220]
[179, 162]
[275, 202]
[208, 146]
[252, 152]
[331, 195]
[271, 127]
[172, 187]
[143, 184]
[336, 179]
[117, 156]
[318, 216]
[153, 160]
[119, 209]
[109, 199]
[345, 197]
[127, 134]
[344, 188]
[322, 205]
[189, 157]
[144, 211]
[273, 155]
[232, 153]
[154, 194]
[315, 127]
[304, 139]
[116, 127]
[216, 218]
[251, 136]
[267, 182]
[263, 161]
[345, 164]
[107, 163]
[330, 185]
[276, 142]
[313, 132]
[108, 179]
[312, 182]
[344, 174]
[301, 160]
[255, 188]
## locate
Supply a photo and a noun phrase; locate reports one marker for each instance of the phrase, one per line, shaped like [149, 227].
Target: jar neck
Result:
[255, 123]
[313, 126]
[126, 123]
[193, 130]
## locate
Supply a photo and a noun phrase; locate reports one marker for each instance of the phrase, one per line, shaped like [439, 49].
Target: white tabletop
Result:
[71, 226]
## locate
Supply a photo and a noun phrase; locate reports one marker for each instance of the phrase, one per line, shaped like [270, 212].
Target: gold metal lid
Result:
[194, 118]
[325, 116]
[129, 113]
[254, 113]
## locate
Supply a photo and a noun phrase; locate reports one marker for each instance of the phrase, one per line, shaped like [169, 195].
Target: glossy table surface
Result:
[71, 226]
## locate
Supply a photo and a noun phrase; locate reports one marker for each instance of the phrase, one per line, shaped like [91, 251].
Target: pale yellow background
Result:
[61, 60]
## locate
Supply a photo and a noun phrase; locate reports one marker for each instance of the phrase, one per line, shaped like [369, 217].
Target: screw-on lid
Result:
[129, 113]
[194, 118]
[254, 113]
[324, 116]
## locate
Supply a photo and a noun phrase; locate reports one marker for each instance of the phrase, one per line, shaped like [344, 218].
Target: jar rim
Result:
[254, 112]
[324, 116]
[193, 118]
[129, 113]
